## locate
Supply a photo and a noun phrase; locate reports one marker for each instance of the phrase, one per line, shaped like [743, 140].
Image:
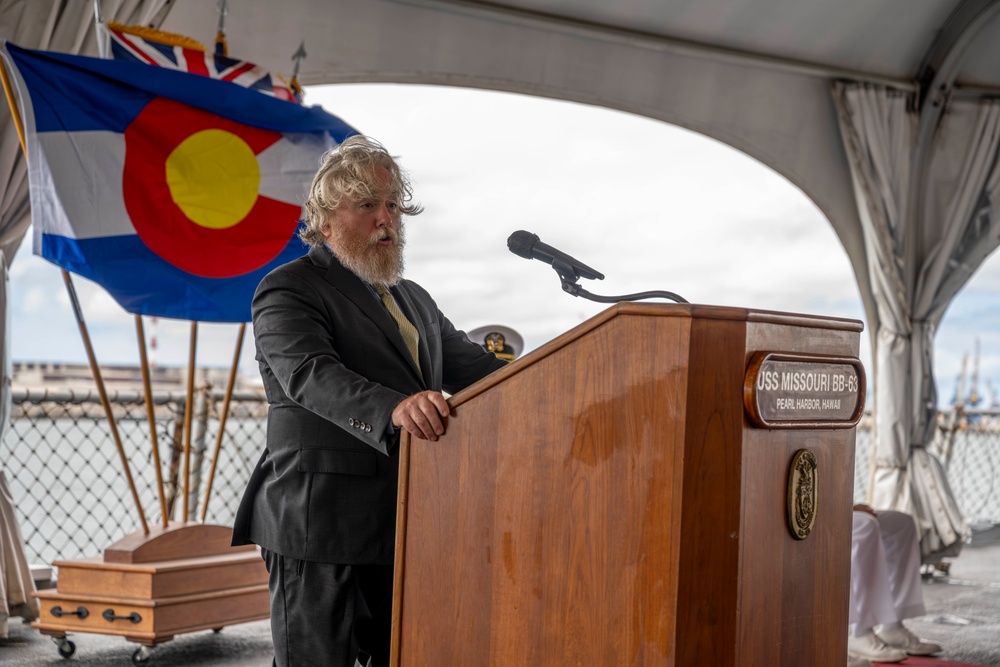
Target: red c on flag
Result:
[190, 186]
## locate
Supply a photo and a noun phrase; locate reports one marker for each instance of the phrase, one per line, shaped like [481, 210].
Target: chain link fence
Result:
[73, 499]
[66, 476]
[967, 442]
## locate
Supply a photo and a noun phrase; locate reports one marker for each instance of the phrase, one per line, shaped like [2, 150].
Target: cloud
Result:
[36, 299]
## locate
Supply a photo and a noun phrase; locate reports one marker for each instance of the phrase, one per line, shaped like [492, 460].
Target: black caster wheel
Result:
[216, 630]
[65, 647]
[141, 655]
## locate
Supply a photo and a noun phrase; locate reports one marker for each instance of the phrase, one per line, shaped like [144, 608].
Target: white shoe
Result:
[858, 662]
[872, 648]
[905, 640]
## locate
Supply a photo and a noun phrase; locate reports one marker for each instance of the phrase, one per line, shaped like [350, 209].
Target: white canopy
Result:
[880, 112]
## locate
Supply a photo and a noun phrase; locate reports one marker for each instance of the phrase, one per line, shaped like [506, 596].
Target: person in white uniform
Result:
[885, 587]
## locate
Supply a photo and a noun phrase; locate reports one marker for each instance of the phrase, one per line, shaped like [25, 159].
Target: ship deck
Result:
[963, 615]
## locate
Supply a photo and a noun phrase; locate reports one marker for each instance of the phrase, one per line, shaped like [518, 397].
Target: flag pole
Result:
[221, 47]
[99, 30]
[298, 57]
[222, 418]
[151, 414]
[14, 113]
[78, 312]
[188, 412]
[95, 369]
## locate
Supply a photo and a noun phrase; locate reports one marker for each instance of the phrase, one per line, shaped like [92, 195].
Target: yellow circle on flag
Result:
[213, 178]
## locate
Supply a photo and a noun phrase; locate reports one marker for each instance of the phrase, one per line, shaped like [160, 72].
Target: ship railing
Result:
[63, 469]
[71, 499]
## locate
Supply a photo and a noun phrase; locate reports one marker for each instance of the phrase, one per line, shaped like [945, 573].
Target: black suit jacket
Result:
[334, 367]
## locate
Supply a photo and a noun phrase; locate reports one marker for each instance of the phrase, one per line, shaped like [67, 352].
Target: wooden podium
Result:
[635, 493]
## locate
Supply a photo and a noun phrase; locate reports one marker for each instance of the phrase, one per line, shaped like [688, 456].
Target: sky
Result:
[651, 206]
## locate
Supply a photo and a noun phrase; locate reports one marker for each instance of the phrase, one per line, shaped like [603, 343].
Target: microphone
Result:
[527, 245]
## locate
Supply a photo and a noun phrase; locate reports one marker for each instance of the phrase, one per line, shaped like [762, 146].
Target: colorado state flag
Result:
[175, 192]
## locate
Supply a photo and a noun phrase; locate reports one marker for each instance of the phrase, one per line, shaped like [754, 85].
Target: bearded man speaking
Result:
[350, 354]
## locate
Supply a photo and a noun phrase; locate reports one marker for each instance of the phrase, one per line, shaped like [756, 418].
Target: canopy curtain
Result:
[55, 25]
[939, 218]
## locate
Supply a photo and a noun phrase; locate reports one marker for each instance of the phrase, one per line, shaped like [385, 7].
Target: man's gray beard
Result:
[367, 260]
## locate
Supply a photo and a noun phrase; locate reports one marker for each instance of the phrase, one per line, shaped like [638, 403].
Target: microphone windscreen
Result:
[521, 242]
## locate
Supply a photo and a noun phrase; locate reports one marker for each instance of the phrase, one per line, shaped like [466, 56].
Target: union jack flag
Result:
[126, 45]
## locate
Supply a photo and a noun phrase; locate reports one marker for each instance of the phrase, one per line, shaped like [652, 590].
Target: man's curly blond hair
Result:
[353, 171]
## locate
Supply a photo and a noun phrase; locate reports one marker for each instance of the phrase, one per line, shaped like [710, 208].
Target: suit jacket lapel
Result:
[354, 289]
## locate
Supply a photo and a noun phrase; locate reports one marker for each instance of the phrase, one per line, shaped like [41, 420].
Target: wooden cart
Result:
[148, 588]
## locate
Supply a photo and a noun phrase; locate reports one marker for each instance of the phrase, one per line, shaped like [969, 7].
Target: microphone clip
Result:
[567, 272]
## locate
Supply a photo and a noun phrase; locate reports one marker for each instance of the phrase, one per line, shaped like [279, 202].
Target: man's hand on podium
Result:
[423, 414]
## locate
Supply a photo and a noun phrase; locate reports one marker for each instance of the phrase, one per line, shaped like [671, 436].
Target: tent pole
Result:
[151, 414]
[188, 411]
[222, 419]
[104, 396]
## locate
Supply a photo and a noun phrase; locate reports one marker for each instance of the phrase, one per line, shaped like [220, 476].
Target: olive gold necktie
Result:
[406, 328]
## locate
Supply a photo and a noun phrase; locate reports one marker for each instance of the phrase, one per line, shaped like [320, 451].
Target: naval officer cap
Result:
[502, 341]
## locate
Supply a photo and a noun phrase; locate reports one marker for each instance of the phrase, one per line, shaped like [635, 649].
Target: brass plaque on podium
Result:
[803, 494]
[803, 391]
